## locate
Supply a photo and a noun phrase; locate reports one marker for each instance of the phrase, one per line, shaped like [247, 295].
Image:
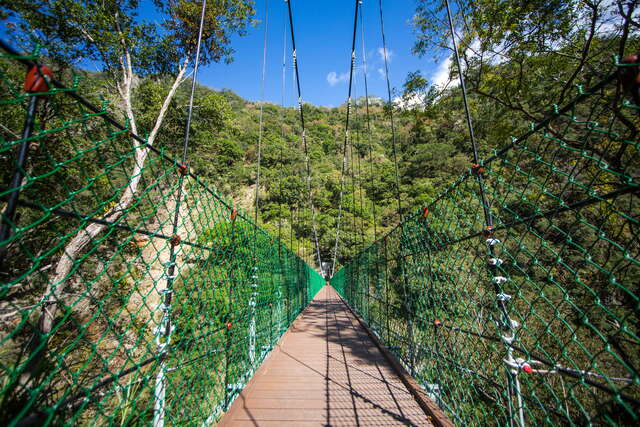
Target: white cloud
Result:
[382, 52]
[333, 78]
[440, 76]
[381, 72]
[416, 100]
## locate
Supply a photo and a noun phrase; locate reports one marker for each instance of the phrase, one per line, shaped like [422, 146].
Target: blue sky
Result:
[323, 30]
[323, 39]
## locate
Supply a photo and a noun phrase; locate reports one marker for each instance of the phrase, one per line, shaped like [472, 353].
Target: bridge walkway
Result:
[326, 371]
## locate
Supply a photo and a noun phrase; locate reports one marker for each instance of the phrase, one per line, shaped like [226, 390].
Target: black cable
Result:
[546, 214]
[303, 135]
[472, 137]
[346, 135]
[90, 219]
[66, 91]
[385, 54]
[370, 148]
[166, 320]
[403, 275]
[282, 132]
[185, 147]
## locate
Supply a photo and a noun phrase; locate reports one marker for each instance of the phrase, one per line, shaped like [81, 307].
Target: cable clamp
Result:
[492, 242]
[477, 169]
[38, 79]
[165, 291]
[503, 297]
[168, 276]
[160, 334]
[183, 168]
[164, 307]
[629, 75]
[488, 231]
[519, 364]
[495, 262]
[498, 280]
[175, 240]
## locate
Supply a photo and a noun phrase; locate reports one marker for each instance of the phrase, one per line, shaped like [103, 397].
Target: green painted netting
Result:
[534, 320]
[152, 321]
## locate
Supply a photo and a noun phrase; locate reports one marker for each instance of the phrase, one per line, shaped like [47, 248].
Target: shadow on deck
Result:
[326, 371]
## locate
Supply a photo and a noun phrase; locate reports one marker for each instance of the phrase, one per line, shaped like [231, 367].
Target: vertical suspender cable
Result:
[390, 101]
[280, 160]
[369, 143]
[254, 273]
[164, 329]
[369, 148]
[472, 136]
[282, 114]
[304, 136]
[513, 383]
[346, 136]
[401, 261]
[356, 167]
[351, 158]
[356, 181]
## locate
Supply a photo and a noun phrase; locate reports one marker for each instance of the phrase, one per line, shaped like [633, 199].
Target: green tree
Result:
[126, 47]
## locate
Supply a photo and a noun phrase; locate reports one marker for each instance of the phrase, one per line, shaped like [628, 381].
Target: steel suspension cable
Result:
[357, 172]
[282, 132]
[303, 135]
[385, 54]
[404, 278]
[472, 136]
[507, 325]
[351, 160]
[346, 136]
[369, 144]
[254, 275]
[261, 125]
[165, 327]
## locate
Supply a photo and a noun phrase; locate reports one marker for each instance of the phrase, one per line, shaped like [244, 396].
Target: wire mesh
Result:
[94, 327]
[535, 319]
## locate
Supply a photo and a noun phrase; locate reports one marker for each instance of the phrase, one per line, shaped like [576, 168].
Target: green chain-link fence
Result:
[120, 305]
[536, 319]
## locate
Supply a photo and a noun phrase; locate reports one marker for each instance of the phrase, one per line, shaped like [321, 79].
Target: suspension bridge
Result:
[133, 293]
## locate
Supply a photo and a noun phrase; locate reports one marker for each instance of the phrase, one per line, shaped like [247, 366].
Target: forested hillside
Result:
[110, 223]
[515, 74]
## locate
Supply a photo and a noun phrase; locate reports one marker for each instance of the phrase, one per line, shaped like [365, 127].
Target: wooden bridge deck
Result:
[326, 371]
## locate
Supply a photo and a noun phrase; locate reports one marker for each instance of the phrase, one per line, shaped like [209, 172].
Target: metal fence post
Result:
[36, 80]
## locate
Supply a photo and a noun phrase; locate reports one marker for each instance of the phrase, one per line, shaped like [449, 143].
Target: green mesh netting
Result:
[536, 320]
[143, 322]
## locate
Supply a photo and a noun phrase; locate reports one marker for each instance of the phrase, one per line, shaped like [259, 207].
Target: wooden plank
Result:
[326, 371]
[429, 406]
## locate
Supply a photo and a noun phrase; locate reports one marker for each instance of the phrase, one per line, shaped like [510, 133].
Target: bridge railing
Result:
[122, 303]
[535, 319]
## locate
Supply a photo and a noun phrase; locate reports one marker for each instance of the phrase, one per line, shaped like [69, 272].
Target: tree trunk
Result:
[53, 295]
